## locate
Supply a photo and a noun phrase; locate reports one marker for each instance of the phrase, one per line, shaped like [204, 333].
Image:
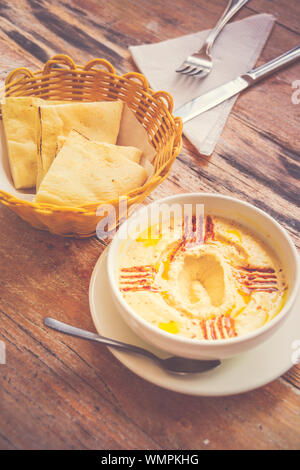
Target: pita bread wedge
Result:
[86, 171]
[130, 152]
[19, 118]
[18, 114]
[97, 120]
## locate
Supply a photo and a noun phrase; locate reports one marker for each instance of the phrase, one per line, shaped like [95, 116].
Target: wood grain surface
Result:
[61, 393]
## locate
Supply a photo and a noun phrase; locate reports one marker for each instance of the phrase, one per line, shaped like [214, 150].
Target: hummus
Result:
[207, 279]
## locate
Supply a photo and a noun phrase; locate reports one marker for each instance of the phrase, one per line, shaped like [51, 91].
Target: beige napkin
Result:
[234, 52]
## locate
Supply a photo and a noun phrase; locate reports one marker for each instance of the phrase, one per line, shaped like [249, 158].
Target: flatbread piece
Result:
[86, 171]
[97, 120]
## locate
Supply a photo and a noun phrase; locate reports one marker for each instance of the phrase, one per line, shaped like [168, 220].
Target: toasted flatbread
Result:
[99, 121]
[19, 120]
[130, 152]
[18, 114]
[86, 171]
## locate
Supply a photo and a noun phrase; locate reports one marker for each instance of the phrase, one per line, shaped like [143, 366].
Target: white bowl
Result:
[248, 215]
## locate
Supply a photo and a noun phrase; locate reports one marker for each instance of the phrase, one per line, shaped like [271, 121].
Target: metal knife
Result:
[214, 97]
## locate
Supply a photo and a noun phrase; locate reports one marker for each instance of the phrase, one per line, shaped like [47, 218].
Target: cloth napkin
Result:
[234, 52]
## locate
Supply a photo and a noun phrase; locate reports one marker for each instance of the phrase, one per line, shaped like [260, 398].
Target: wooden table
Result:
[60, 392]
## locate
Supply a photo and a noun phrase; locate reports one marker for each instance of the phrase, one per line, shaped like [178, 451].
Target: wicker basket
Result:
[61, 79]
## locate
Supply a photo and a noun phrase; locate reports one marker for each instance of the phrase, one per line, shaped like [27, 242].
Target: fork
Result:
[200, 63]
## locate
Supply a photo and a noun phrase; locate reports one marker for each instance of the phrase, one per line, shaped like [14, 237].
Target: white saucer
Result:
[242, 373]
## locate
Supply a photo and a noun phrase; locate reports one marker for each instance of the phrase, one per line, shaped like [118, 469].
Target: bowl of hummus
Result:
[203, 275]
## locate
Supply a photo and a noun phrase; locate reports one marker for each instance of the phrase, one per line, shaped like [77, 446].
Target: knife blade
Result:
[211, 99]
[222, 93]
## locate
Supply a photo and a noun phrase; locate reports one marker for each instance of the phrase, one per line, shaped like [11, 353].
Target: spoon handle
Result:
[84, 334]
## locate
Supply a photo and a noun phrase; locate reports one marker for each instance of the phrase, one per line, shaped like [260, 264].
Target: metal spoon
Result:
[176, 365]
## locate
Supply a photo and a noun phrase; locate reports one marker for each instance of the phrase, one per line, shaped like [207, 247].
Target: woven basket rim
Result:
[157, 177]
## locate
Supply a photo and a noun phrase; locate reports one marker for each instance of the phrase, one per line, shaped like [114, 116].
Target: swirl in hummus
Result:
[204, 279]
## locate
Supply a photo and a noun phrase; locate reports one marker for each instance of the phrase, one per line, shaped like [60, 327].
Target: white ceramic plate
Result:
[242, 373]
